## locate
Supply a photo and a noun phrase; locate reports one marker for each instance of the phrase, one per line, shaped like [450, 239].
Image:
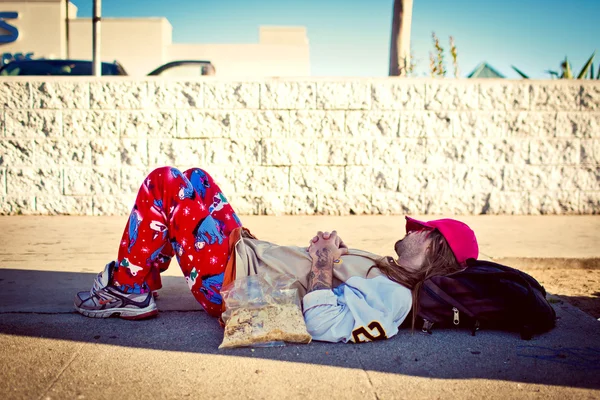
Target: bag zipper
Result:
[456, 318]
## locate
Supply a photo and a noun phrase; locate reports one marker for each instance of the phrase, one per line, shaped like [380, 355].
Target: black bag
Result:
[489, 295]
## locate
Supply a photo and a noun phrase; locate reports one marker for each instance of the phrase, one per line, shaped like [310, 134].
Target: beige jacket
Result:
[253, 255]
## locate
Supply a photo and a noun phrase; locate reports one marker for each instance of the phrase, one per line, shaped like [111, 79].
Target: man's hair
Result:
[439, 260]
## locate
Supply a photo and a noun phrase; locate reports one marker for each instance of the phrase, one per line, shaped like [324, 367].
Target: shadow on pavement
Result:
[39, 305]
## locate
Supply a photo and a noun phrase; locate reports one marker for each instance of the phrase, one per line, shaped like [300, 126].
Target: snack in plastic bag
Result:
[262, 309]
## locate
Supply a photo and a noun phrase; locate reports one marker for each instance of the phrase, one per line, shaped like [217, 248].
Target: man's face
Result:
[413, 248]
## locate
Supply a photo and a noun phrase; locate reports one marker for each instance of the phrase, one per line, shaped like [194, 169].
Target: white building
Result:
[38, 29]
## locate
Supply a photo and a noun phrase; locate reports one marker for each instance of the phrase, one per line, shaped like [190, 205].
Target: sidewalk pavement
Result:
[49, 352]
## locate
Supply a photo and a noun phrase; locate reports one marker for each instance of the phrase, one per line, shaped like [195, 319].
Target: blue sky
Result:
[351, 37]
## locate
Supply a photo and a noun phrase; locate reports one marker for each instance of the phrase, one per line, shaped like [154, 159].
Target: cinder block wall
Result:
[364, 146]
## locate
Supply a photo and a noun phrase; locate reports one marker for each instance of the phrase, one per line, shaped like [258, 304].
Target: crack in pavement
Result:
[62, 370]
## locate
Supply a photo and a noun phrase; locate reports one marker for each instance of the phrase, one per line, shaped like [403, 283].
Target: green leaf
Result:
[592, 71]
[585, 68]
[568, 74]
[520, 72]
[553, 74]
[598, 76]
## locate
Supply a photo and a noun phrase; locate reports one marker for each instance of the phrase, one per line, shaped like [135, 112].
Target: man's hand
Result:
[324, 249]
[331, 241]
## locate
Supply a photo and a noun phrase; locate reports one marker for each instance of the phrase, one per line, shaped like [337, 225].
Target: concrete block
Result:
[15, 95]
[288, 95]
[133, 153]
[120, 204]
[475, 178]
[589, 202]
[343, 152]
[159, 124]
[193, 124]
[531, 124]
[319, 179]
[452, 203]
[34, 181]
[231, 95]
[502, 203]
[290, 152]
[503, 151]
[301, 204]
[426, 124]
[260, 179]
[16, 153]
[554, 203]
[132, 179]
[500, 96]
[74, 152]
[469, 124]
[90, 181]
[243, 204]
[232, 153]
[20, 205]
[555, 151]
[590, 152]
[61, 95]
[390, 95]
[223, 176]
[346, 95]
[550, 178]
[343, 204]
[451, 96]
[121, 95]
[371, 179]
[587, 177]
[33, 124]
[417, 178]
[590, 96]
[372, 123]
[562, 96]
[397, 203]
[578, 124]
[272, 203]
[105, 153]
[166, 94]
[176, 153]
[64, 205]
[260, 124]
[398, 152]
[317, 123]
[90, 124]
[450, 151]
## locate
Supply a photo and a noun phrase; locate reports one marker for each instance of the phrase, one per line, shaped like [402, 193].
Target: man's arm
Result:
[324, 249]
[321, 271]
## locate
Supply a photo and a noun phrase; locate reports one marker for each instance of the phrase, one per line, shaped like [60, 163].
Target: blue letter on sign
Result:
[13, 33]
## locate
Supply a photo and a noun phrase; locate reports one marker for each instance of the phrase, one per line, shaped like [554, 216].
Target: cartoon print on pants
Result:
[219, 201]
[157, 258]
[199, 182]
[177, 248]
[192, 278]
[209, 230]
[134, 224]
[133, 269]
[187, 191]
[158, 227]
[211, 287]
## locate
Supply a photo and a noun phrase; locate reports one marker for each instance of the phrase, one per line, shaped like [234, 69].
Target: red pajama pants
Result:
[183, 214]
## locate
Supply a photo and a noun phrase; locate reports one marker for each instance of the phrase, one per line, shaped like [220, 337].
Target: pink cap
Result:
[459, 236]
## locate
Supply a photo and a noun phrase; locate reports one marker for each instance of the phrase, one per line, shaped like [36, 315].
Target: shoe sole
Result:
[125, 313]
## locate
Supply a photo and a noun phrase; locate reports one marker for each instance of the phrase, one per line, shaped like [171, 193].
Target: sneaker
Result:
[105, 300]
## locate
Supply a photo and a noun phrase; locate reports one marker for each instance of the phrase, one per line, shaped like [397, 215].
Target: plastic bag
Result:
[263, 310]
